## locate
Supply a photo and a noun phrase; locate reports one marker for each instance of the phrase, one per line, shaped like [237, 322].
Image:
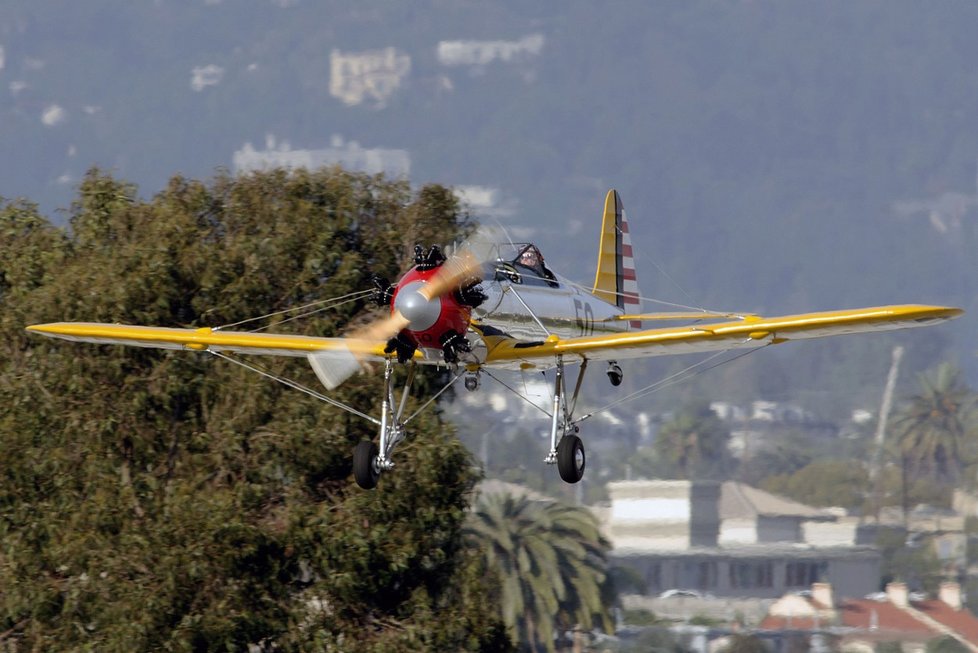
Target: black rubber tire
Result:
[570, 458]
[364, 470]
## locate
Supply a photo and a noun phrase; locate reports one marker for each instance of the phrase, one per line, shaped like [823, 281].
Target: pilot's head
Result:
[530, 257]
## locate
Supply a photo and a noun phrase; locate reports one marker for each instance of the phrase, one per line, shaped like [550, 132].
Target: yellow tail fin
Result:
[615, 281]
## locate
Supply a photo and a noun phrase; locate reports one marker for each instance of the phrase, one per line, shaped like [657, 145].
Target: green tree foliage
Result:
[824, 483]
[659, 640]
[946, 644]
[888, 647]
[170, 501]
[548, 560]
[935, 428]
[914, 563]
[693, 445]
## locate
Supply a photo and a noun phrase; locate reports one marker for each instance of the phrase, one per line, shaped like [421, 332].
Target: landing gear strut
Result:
[369, 459]
[567, 451]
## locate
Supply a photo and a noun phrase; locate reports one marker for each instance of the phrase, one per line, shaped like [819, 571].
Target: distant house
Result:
[752, 516]
[861, 624]
[728, 540]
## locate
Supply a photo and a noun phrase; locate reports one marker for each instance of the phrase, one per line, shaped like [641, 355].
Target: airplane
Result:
[494, 304]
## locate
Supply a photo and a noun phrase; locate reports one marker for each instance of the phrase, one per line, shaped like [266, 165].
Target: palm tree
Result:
[549, 561]
[934, 428]
[694, 444]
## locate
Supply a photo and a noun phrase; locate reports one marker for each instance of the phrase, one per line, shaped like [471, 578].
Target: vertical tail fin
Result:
[615, 281]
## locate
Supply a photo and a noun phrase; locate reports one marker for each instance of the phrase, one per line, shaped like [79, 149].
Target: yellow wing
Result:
[205, 339]
[506, 352]
[753, 331]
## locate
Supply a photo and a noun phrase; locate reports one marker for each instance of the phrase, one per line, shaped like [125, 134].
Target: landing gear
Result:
[472, 381]
[369, 459]
[614, 373]
[570, 458]
[566, 450]
[365, 469]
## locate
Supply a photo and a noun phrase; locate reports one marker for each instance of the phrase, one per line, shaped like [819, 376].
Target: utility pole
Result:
[875, 470]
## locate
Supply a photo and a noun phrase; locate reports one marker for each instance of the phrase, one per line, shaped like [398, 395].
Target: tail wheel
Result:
[365, 469]
[570, 458]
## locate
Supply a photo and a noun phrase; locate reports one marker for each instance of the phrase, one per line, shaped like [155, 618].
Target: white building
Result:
[728, 540]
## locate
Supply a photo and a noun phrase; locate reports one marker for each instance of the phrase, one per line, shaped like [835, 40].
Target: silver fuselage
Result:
[533, 308]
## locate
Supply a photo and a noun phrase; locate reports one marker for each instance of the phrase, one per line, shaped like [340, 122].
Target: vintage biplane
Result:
[495, 304]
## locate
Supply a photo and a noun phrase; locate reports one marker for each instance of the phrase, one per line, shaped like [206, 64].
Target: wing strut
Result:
[528, 309]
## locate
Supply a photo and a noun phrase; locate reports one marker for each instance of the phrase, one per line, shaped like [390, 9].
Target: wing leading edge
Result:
[753, 331]
[269, 344]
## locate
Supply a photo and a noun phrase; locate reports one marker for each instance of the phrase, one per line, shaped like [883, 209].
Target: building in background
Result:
[728, 540]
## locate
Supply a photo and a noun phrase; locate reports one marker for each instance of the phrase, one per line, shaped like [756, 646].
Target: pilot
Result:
[532, 259]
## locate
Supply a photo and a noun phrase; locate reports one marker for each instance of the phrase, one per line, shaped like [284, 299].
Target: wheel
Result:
[570, 458]
[615, 375]
[364, 465]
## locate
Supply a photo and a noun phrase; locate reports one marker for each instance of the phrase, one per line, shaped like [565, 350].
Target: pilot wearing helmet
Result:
[533, 267]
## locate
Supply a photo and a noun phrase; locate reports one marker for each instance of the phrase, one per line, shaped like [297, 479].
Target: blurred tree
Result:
[824, 483]
[693, 445]
[169, 501]
[658, 639]
[548, 559]
[888, 647]
[912, 562]
[946, 644]
[790, 452]
[936, 428]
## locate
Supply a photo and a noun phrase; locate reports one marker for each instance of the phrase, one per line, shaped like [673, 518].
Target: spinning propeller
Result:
[417, 307]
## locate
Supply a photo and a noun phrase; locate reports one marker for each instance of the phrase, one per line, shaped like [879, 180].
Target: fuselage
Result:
[533, 309]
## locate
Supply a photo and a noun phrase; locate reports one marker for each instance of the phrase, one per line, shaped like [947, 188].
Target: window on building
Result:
[699, 575]
[752, 573]
[653, 577]
[803, 574]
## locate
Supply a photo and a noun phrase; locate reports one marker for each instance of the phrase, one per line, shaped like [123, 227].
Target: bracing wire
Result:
[662, 271]
[333, 302]
[434, 397]
[353, 297]
[295, 385]
[681, 376]
[652, 300]
[515, 392]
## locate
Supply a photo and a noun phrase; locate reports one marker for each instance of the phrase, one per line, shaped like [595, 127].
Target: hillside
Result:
[774, 157]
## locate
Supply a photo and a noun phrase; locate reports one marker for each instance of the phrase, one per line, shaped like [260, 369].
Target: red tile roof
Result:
[960, 621]
[858, 613]
[884, 617]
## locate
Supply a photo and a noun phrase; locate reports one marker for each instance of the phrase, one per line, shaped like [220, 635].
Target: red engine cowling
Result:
[430, 320]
